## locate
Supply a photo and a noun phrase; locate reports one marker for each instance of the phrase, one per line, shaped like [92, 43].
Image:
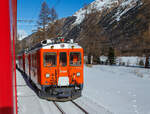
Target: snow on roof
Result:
[62, 46]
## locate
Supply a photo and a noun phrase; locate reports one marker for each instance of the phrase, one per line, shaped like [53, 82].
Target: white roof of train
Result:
[49, 44]
[62, 46]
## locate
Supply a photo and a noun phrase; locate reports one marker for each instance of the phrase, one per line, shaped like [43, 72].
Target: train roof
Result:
[62, 46]
[56, 43]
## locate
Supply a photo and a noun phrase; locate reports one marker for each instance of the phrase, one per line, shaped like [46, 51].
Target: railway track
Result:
[59, 108]
[83, 110]
[77, 105]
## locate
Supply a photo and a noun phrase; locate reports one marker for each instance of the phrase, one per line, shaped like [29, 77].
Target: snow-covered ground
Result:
[122, 90]
[107, 90]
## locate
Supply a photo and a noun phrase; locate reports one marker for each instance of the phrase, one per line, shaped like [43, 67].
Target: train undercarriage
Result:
[60, 93]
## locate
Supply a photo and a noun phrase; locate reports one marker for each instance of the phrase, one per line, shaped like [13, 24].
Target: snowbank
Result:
[130, 61]
[126, 61]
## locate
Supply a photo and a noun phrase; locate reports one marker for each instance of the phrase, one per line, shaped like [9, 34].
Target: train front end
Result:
[61, 71]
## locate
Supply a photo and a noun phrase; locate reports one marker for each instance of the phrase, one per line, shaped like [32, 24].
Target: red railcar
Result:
[55, 69]
[21, 61]
[27, 60]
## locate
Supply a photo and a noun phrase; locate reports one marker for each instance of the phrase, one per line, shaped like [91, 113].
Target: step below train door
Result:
[63, 79]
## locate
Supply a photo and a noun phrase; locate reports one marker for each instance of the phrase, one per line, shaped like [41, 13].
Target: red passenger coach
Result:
[8, 11]
[55, 68]
[21, 61]
[27, 64]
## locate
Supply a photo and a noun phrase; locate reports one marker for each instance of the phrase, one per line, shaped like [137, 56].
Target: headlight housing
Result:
[47, 75]
[78, 74]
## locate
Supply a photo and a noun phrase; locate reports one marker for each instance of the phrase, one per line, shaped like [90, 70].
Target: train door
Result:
[50, 67]
[23, 62]
[63, 79]
[29, 59]
[76, 66]
[26, 64]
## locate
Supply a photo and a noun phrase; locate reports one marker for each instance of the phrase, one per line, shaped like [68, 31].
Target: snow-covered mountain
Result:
[123, 24]
[100, 5]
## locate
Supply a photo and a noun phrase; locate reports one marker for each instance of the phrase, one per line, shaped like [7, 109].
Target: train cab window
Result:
[75, 58]
[63, 58]
[49, 59]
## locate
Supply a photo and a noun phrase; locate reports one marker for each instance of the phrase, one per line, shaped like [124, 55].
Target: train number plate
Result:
[63, 81]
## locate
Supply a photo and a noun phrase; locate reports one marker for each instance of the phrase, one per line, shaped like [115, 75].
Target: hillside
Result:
[121, 24]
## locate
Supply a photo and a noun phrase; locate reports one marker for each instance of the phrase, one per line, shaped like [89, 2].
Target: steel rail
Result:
[59, 108]
[80, 107]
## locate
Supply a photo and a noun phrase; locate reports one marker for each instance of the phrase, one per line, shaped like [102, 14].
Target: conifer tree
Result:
[44, 18]
[54, 15]
[111, 56]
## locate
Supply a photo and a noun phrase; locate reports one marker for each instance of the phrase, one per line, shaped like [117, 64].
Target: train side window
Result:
[63, 59]
[75, 58]
[35, 60]
[32, 61]
[50, 59]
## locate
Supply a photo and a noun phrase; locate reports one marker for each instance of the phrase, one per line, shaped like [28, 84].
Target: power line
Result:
[27, 25]
[26, 21]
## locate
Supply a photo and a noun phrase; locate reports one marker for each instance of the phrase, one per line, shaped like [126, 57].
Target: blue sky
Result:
[29, 10]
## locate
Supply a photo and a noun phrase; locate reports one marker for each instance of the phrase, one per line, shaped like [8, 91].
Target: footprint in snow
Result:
[118, 92]
[136, 112]
[134, 95]
[129, 92]
[107, 93]
[135, 106]
[134, 101]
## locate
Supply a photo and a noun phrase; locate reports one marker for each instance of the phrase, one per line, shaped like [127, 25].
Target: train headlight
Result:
[78, 74]
[47, 75]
